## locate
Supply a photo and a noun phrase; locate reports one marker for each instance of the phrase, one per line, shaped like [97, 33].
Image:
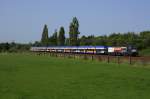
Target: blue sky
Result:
[23, 20]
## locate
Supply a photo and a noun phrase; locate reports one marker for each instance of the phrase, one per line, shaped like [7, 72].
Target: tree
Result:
[74, 32]
[53, 39]
[67, 43]
[37, 43]
[44, 39]
[61, 36]
[83, 40]
[145, 38]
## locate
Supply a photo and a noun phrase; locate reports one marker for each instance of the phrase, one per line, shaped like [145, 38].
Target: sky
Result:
[23, 20]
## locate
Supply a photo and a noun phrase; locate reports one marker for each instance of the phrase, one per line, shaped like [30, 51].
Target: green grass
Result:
[43, 77]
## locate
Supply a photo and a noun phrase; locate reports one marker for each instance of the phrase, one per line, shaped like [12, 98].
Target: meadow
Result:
[26, 76]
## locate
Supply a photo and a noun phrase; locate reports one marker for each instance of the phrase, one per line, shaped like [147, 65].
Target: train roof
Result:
[73, 47]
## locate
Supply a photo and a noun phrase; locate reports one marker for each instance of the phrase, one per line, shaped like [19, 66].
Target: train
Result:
[99, 50]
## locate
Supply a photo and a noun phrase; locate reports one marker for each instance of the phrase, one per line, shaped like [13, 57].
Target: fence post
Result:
[108, 58]
[118, 60]
[99, 58]
[92, 57]
[85, 57]
[74, 56]
[130, 60]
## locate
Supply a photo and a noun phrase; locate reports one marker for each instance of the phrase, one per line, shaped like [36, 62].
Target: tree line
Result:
[14, 47]
[140, 40]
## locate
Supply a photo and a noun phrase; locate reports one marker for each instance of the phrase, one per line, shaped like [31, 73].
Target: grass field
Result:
[43, 77]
